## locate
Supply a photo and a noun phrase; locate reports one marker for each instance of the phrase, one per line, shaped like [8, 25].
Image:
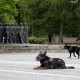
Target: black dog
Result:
[72, 49]
[50, 63]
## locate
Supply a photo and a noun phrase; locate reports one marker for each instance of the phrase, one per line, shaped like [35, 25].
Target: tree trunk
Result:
[61, 32]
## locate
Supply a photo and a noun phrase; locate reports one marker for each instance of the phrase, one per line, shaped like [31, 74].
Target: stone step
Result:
[10, 48]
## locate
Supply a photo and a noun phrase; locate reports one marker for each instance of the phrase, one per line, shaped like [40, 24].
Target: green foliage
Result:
[8, 11]
[48, 17]
[34, 40]
[43, 17]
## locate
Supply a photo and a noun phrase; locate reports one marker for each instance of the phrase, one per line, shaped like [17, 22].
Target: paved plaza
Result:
[19, 66]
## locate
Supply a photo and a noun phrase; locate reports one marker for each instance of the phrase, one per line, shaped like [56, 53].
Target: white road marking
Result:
[31, 63]
[42, 74]
[19, 62]
[34, 73]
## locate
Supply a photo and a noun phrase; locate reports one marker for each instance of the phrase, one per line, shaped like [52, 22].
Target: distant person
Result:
[78, 38]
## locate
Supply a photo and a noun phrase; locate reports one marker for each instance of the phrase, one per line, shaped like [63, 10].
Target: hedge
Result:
[34, 40]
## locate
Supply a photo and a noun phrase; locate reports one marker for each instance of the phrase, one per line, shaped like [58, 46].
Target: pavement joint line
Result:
[31, 63]
[19, 62]
[43, 74]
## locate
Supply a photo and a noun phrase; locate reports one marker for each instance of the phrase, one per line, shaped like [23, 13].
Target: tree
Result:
[65, 13]
[73, 23]
[48, 17]
[36, 15]
[8, 11]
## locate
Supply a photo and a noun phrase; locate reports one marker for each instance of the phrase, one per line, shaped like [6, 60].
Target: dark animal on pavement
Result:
[50, 63]
[72, 49]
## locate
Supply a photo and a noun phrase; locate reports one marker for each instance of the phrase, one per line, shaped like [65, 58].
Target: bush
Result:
[34, 40]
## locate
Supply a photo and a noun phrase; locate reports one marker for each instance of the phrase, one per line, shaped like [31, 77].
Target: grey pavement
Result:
[19, 66]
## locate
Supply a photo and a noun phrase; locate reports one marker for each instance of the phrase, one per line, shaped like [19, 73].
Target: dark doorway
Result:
[50, 38]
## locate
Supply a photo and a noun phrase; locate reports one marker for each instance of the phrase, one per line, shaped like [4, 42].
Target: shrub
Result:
[34, 40]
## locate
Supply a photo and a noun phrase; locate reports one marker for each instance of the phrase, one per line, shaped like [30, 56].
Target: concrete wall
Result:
[55, 39]
[30, 48]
